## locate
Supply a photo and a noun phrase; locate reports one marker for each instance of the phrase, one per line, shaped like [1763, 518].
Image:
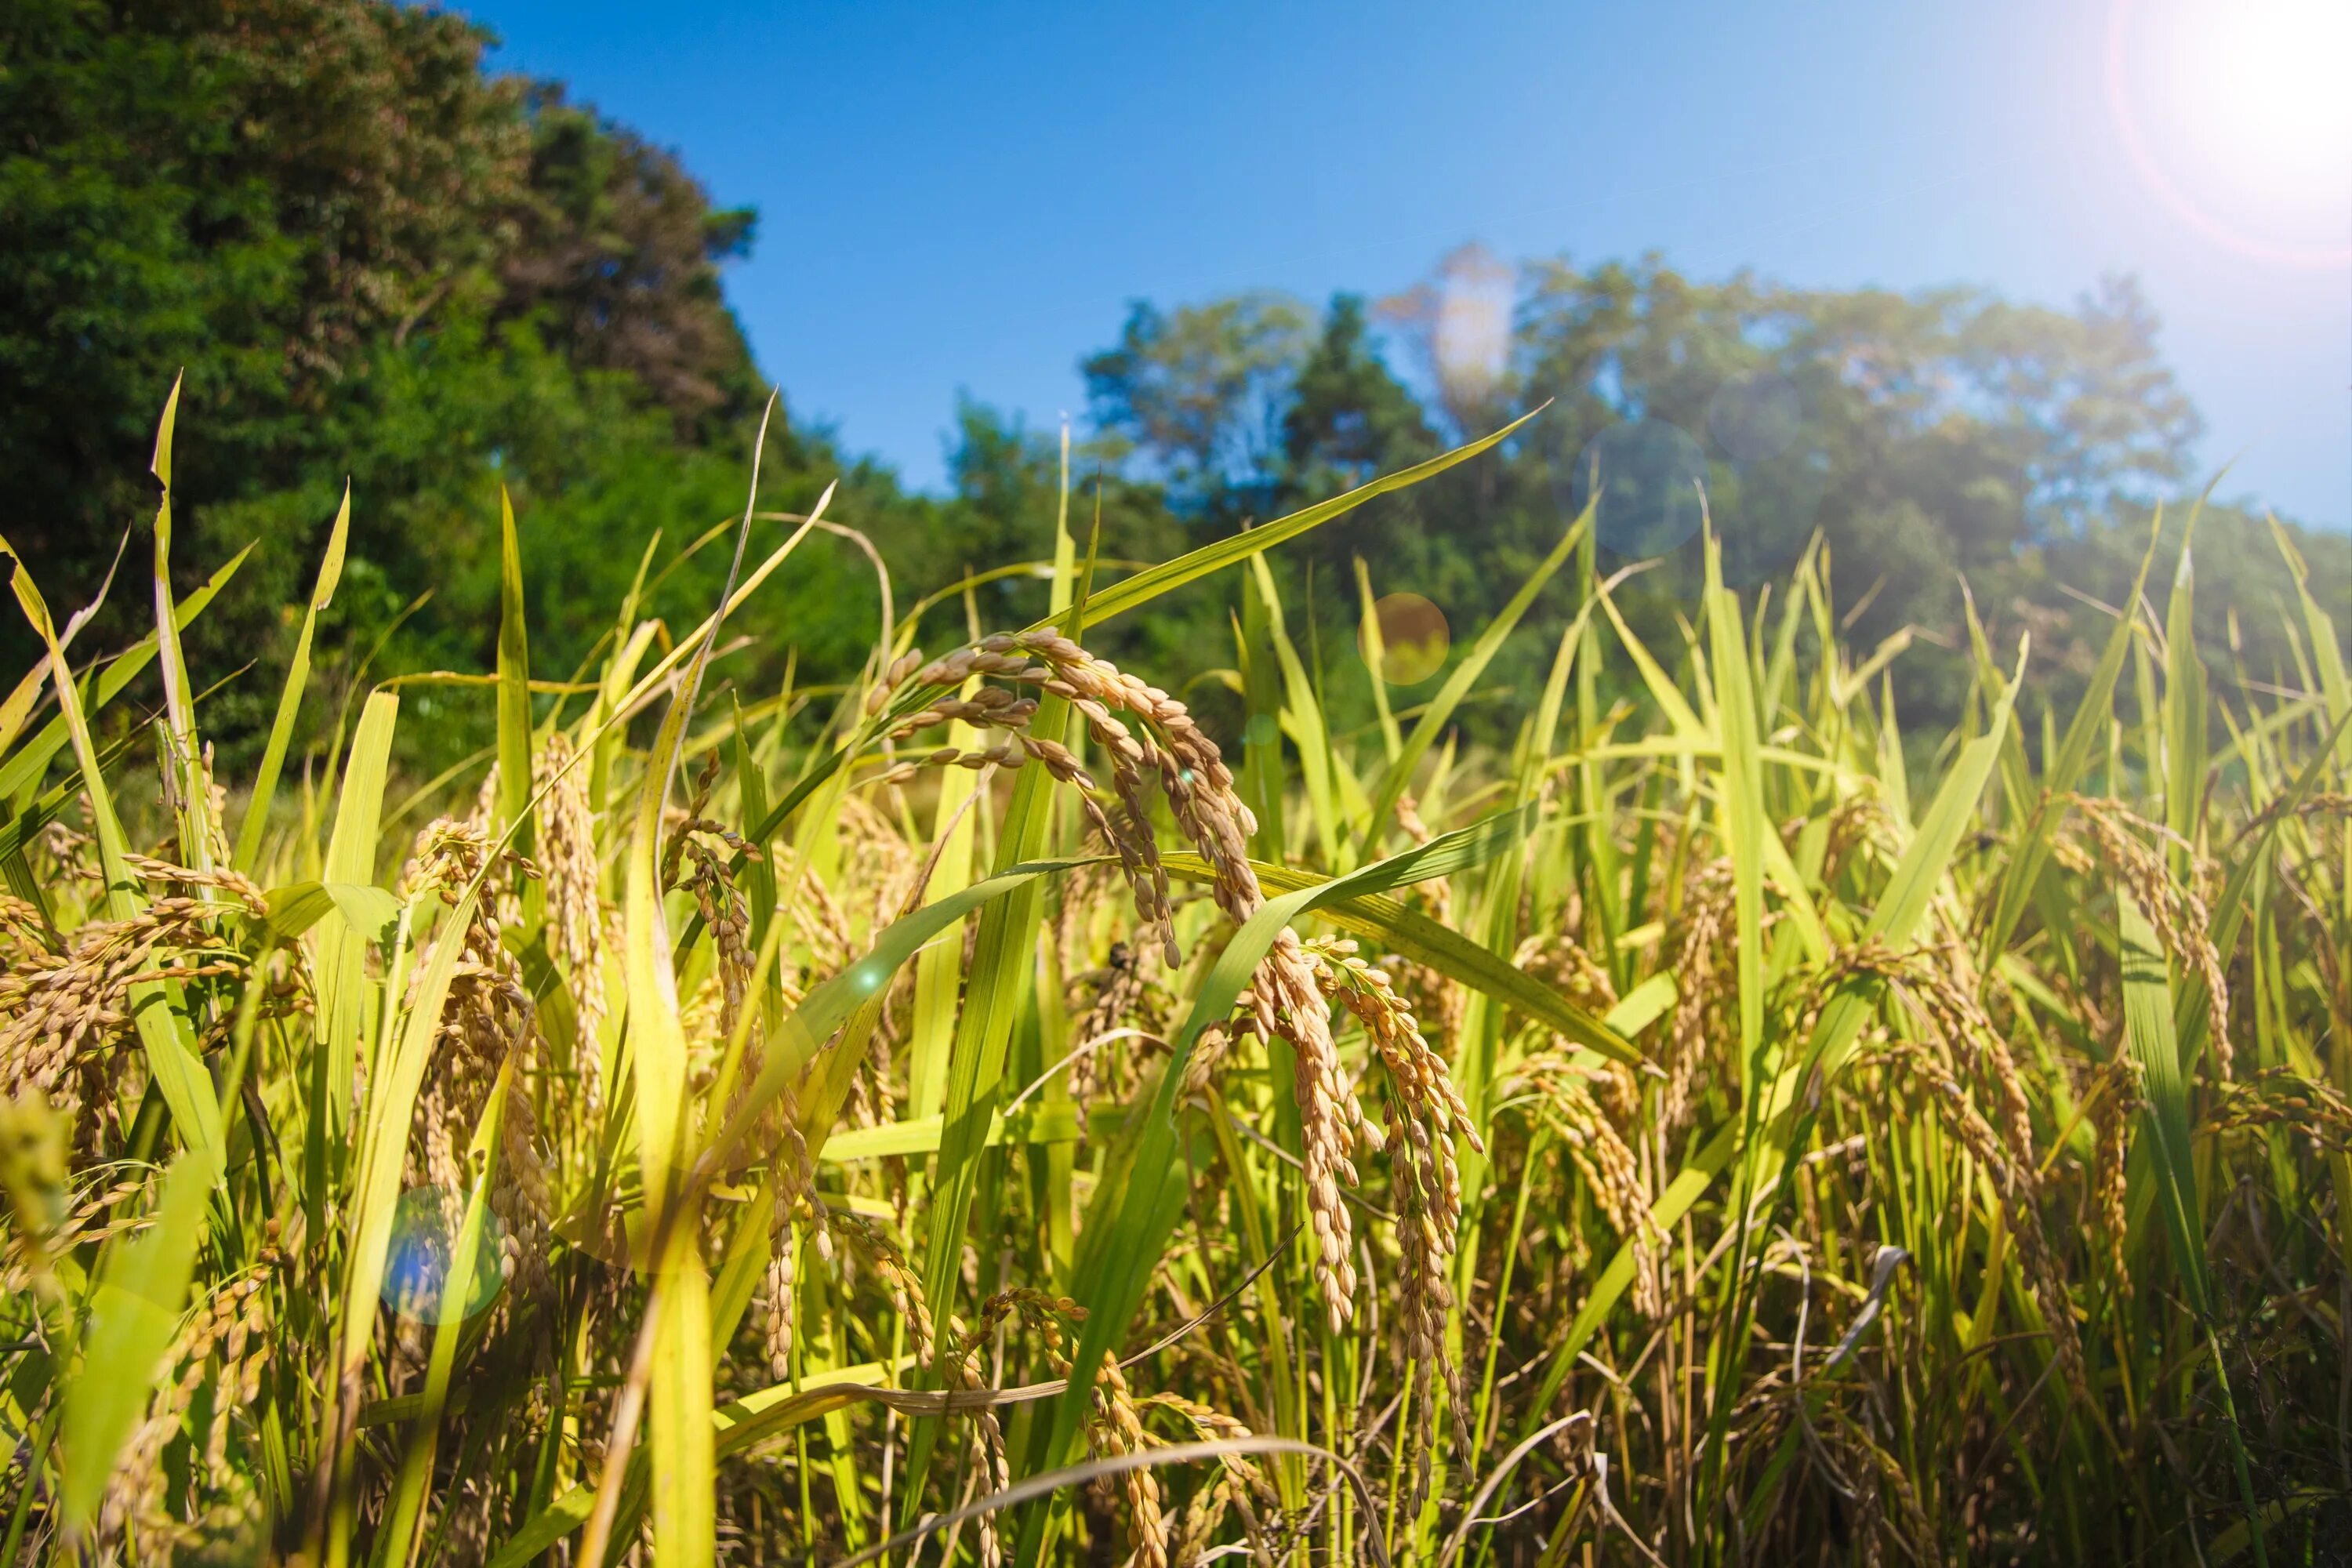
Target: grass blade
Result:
[289, 700]
[1465, 675]
[1121, 1244]
[142, 1291]
[2059, 775]
[514, 684]
[178, 1072]
[1135, 591]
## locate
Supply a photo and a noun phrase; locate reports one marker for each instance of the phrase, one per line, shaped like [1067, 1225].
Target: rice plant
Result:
[980, 1115]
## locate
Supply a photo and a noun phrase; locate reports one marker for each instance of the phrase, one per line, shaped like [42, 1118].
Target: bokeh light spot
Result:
[1413, 639]
[1261, 730]
[1648, 475]
[1755, 417]
[427, 1223]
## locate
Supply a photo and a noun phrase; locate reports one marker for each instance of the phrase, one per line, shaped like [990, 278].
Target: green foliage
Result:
[2032, 1091]
[376, 261]
[1853, 1180]
[1926, 439]
[505, 290]
[1200, 390]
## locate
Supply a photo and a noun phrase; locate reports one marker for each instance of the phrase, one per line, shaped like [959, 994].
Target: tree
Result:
[1927, 439]
[617, 260]
[1459, 320]
[372, 259]
[1348, 417]
[1349, 420]
[1199, 393]
[211, 185]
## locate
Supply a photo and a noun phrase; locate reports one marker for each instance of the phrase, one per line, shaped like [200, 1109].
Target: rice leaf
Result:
[1661, 685]
[1395, 928]
[391, 1106]
[1744, 830]
[2089, 725]
[683, 1461]
[1003, 956]
[2166, 1127]
[2184, 702]
[1740, 803]
[1045, 1124]
[1376, 662]
[2326, 651]
[178, 700]
[514, 684]
[830, 1002]
[398, 1542]
[296, 908]
[938, 972]
[26, 765]
[289, 699]
[1305, 715]
[348, 1004]
[1464, 675]
[177, 1072]
[142, 1289]
[1135, 591]
[1121, 1244]
[2165, 1121]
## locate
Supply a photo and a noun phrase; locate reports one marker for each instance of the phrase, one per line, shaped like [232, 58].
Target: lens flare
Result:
[1753, 418]
[1649, 476]
[1470, 338]
[2236, 115]
[1764, 499]
[1413, 639]
[427, 1223]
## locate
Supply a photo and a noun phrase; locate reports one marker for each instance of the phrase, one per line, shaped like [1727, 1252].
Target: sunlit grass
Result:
[994, 1122]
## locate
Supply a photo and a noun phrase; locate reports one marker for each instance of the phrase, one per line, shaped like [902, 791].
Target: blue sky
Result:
[964, 197]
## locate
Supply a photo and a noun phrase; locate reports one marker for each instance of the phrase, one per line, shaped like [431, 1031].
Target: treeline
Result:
[376, 261]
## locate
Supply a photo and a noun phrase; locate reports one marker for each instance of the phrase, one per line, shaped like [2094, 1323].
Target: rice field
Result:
[978, 1115]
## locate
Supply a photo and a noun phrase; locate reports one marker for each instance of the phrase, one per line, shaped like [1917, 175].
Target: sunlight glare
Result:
[2238, 117]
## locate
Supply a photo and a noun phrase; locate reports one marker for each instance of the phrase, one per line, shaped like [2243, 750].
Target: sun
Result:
[2238, 114]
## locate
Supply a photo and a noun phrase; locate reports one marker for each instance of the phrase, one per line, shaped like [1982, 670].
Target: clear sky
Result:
[964, 196]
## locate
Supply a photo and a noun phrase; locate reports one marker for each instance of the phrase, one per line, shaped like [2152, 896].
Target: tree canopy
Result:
[378, 261]
[1930, 440]
[371, 259]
